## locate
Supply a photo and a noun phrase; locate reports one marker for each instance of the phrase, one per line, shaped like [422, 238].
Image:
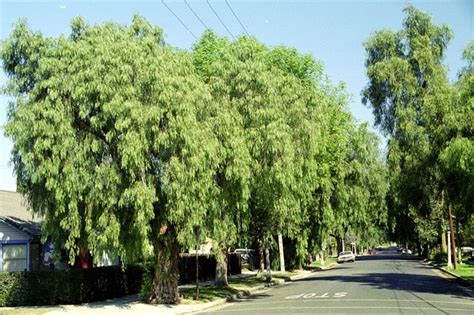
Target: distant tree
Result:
[457, 158]
[417, 108]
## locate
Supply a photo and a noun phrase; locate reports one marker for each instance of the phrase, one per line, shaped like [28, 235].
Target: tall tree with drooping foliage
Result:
[230, 217]
[457, 158]
[295, 125]
[416, 106]
[256, 98]
[111, 141]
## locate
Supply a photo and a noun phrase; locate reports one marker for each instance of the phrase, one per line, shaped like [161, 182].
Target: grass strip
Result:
[465, 271]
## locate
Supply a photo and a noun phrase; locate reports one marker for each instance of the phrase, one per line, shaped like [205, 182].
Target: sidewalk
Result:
[133, 305]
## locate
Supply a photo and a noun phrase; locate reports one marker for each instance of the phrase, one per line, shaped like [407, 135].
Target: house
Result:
[20, 234]
[20, 241]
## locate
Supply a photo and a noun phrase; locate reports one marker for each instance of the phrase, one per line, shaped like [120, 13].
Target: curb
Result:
[298, 277]
[248, 293]
[239, 295]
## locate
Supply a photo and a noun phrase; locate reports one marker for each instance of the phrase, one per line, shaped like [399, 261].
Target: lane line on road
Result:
[363, 300]
[347, 307]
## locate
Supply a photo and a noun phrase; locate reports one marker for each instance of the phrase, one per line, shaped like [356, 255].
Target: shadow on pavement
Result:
[258, 296]
[414, 283]
[387, 256]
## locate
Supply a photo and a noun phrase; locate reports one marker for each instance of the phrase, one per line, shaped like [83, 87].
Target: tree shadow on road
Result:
[387, 257]
[257, 296]
[407, 282]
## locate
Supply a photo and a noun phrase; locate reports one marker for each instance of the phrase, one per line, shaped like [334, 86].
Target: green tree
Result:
[457, 158]
[230, 216]
[413, 103]
[256, 97]
[111, 142]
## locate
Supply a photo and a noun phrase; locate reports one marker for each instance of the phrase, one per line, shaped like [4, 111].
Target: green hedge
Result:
[71, 286]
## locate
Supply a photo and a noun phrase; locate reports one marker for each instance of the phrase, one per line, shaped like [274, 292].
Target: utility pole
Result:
[453, 244]
[450, 265]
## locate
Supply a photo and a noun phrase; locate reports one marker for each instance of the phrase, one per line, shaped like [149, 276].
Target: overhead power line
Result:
[222, 22]
[180, 21]
[238, 20]
[195, 14]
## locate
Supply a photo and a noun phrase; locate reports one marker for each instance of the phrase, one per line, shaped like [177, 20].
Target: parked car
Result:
[346, 256]
[245, 254]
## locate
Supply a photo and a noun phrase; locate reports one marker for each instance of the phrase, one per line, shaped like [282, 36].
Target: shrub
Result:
[75, 286]
[146, 285]
[439, 258]
[71, 286]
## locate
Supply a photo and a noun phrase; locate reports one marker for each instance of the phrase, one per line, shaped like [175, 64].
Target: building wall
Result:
[9, 233]
[34, 256]
[14, 249]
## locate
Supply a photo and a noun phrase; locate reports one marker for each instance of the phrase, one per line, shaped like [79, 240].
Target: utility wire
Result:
[230, 8]
[222, 22]
[195, 14]
[182, 23]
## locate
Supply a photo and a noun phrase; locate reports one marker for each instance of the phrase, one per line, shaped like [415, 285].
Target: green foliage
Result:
[72, 286]
[146, 286]
[439, 258]
[111, 141]
[121, 141]
[429, 125]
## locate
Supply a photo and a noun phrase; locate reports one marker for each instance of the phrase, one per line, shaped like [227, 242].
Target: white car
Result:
[346, 256]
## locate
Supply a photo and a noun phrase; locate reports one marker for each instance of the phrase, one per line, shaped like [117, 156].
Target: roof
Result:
[13, 204]
[14, 211]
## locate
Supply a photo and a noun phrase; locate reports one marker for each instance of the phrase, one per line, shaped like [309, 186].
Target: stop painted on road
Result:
[312, 295]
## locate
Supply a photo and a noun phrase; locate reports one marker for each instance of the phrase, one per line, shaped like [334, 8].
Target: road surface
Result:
[383, 283]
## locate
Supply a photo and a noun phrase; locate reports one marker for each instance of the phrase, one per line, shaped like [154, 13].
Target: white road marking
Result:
[315, 295]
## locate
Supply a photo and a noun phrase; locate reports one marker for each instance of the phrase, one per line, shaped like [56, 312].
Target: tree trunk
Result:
[282, 254]
[443, 227]
[221, 268]
[339, 247]
[299, 265]
[459, 242]
[453, 242]
[443, 241]
[426, 250]
[269, 268]
[84, 259]
[262, 256]
[165, 279]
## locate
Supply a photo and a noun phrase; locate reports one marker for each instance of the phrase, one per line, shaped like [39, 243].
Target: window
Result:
[14, 257]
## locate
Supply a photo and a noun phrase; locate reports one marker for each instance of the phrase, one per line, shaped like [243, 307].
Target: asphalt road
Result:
[383, 283]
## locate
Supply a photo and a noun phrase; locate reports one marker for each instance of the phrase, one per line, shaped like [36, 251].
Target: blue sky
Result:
[332, 31]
